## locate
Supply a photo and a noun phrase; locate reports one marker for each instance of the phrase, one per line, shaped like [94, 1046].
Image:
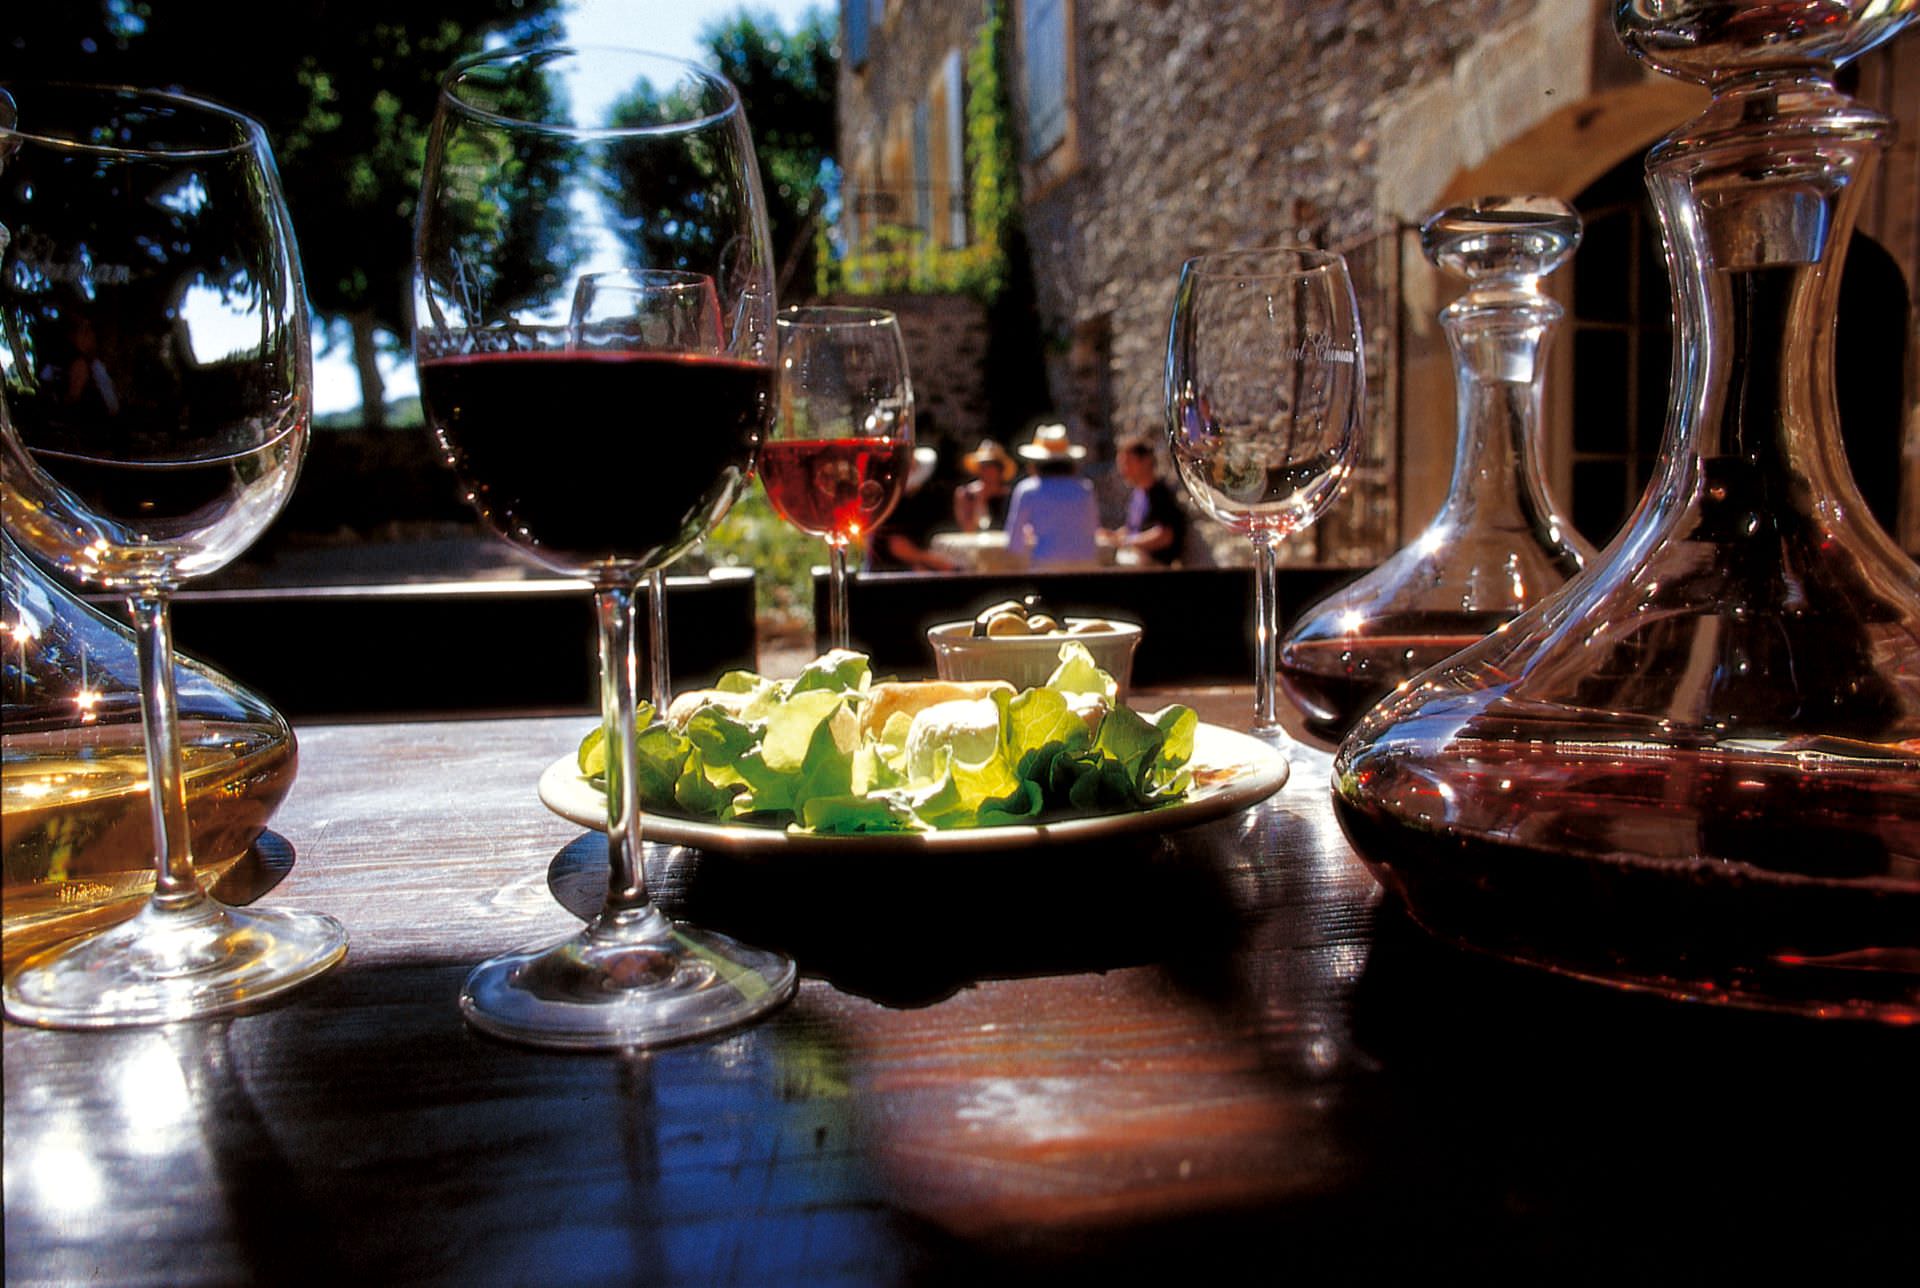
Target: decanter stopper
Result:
[1712, 41]
[1502, 241]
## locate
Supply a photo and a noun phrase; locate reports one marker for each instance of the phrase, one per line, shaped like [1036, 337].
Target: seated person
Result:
[902, 542]
[1053, 514]
[981, 505]
[1156, 526]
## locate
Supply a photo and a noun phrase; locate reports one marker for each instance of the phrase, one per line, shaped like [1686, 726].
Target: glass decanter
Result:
[1497, 545]
[1696, 769]
[78, 852]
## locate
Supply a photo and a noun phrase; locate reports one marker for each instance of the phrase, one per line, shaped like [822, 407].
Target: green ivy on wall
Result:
[903, 259]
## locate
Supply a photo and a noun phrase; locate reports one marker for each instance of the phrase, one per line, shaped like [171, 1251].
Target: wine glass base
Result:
[595, 992]
[1275, 735]
[173, 964]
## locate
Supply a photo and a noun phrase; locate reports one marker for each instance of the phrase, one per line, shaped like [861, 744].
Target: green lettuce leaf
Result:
[1078, 673]
[837, 671]
[795, 754]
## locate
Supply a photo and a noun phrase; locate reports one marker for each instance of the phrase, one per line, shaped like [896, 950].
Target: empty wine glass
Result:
[602, 451]
[155, 396]
[666, 312]
[1264, 389]
[841, 449]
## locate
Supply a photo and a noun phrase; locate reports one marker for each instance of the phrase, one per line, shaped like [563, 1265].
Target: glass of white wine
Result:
[1264, 390]
[155, 399]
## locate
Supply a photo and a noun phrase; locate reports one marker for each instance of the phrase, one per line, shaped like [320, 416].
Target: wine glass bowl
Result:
[838, 458]
[156, 373]
[593, 312]
[1264, 383]
[658, 311]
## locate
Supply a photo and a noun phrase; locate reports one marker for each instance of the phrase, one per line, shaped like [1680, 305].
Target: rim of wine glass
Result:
[253, 135]
[834, 315]
[450, 83]
[1265, 261]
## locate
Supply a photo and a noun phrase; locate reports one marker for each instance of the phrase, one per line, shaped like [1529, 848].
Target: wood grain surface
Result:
[1207, 1053]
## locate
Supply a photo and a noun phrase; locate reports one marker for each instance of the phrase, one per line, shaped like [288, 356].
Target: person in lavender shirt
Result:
[1054, 514]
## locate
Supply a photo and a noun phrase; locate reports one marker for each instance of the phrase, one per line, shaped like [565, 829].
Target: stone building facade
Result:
[1153, 130]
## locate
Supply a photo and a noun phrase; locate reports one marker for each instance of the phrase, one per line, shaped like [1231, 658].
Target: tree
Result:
[787, 85]
[347, 107]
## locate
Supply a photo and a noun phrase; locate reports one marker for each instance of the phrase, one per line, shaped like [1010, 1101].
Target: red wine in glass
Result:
[593, 327]
[840, 487]
[652, 444]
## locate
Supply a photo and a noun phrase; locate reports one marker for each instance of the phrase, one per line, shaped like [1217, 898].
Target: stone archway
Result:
[1549, 107]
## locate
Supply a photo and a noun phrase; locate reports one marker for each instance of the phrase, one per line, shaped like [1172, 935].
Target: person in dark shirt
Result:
[903, 541]
[1156, 526]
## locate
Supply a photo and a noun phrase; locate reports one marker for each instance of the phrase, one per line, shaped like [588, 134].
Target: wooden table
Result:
[1204, 1054]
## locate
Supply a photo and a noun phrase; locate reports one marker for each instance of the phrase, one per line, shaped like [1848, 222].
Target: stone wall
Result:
[1210, 124]
[946, 341]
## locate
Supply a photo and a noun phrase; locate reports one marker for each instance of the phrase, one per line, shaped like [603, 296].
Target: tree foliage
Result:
[346, 104]
[787, 85]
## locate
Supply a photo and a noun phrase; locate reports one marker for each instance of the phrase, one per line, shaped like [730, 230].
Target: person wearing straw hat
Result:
[1053, 513]
[981, 504]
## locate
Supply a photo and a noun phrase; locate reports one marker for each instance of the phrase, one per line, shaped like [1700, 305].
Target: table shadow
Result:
[1545, 1113]
[265, 865]
[912, 932]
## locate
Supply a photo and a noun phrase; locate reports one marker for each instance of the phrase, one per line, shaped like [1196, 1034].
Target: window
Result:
[1621, 330]
[946, 154]
[853, 29]
[1622, 334]
[922, 168]
[1043, 43]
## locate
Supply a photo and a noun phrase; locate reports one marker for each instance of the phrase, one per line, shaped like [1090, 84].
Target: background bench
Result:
[435, 649]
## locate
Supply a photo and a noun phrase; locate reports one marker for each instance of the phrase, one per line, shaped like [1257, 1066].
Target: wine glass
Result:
[155, 395]
[841, 449]
[662, 311]
[1264, 388]
[603, 452]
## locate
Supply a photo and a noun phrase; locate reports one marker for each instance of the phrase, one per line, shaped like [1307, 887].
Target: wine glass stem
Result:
[627, 885]
[174, 886]
[1266, 633]
[837, 636]
[657, 666]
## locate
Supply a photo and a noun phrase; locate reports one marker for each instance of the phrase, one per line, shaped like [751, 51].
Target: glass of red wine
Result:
[1264, 384]
[155, 400]
[662, 311]
[597, 439]
[841, 449]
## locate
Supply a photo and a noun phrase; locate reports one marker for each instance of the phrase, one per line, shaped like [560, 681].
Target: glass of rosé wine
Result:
[589, 431]
[841, 448]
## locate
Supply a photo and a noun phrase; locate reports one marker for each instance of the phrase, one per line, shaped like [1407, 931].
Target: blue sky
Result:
[668, 26]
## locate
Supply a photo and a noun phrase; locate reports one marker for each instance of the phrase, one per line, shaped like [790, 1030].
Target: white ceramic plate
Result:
[1231, 771]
